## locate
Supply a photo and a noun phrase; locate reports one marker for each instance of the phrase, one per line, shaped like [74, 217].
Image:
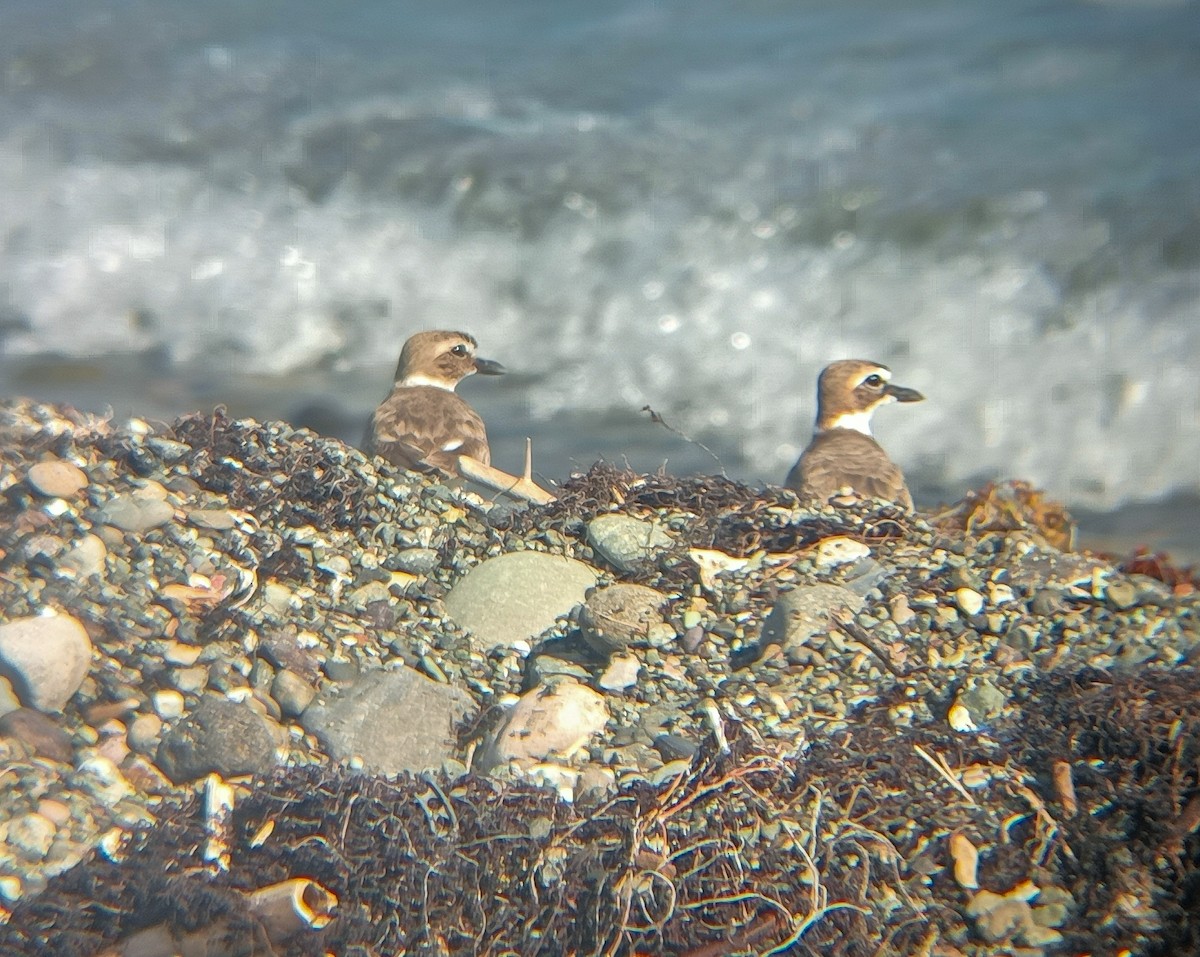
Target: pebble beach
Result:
[658, 715]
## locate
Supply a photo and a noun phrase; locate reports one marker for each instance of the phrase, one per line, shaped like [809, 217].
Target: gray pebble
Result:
[626, 542]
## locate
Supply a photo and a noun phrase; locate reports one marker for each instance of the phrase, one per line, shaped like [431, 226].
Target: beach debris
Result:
[1010, 506]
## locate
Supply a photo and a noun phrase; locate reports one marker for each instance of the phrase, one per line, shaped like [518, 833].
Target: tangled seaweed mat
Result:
[837, 848]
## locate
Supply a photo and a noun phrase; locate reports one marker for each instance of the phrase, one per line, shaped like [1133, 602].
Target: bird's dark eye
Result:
[874, 381]
[459, 350]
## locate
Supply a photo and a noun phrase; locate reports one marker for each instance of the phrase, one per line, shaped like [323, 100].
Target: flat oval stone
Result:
[550, 721]
[137, 512]
[46, 657]
[221, 736]
[56, 479]
[621, 615]
[806, 611]
[87, 557]
[517, 596]
[626, 542]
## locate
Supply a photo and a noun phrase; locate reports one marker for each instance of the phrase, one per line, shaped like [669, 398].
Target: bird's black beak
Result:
[901, 394]
[489, 367]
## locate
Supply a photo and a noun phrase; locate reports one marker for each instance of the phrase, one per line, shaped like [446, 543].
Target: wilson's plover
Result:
[843, 455]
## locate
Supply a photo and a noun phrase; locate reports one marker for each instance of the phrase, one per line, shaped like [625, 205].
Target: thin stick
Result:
[659, 420]
[851, 629]
[943, 769]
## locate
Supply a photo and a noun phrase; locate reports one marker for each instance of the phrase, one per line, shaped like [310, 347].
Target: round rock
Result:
[626, 542]
[56, 479]
[517, 596]
[548, 722]
[621, 615]
[86, 558]
[806, 611]
[137, 512]
[292, 693]
[220, 736]
[395, 721]
[46, 658]
[39, 733]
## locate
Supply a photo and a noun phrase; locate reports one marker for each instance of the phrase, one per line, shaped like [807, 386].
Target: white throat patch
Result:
[418, 379]
[858, 421]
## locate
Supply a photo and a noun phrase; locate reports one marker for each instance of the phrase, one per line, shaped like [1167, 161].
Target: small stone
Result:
[86, 558]
[55, 478]
[292, 693]
[900, 611]
[839, 550]
[220, 736]
[137, 511]
[620, 616]
[999, 918]
[674, 747]
[626, 542]
[179, 653]
[595, 783]
[415, 561]
[190, 680]
[31, 835]
[340, 669]
[57, 812]
[8, 697]
[103, 780]
[517, 596]
[46, 658]
[396, 720]
[982, 701]
[1121, 594]
[145, 733]
[38, 732]
[550, 722]
[806, 611]
[621, 673]
[287, 648]
[213, 519]
[969, 601]
[168, 704]
[167, 449]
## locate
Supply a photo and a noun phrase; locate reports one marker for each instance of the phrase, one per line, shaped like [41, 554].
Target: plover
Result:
[843, 454]
[423, 423]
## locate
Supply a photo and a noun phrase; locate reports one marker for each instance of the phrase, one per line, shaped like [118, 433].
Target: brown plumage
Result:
[423, 424]
[843, 454]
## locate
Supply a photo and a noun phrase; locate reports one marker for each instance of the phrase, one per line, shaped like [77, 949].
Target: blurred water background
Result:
[687, 205]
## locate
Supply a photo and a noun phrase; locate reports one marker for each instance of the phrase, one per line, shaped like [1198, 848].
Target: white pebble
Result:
[168, 705]
[969, 601]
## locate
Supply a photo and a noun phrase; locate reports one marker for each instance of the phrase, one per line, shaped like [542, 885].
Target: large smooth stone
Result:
[219, 736]
[806, 611]
[622, 615]
[626, 542]
[395, 721]
[517, 596]
[46, 658]
[550, 722]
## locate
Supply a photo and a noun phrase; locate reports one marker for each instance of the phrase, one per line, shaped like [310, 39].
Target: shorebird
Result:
[423, 424]
[843, 454]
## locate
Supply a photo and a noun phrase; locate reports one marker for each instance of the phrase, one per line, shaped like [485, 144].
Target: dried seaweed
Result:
[838, 847]
[1003, 507]
[314, 482]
